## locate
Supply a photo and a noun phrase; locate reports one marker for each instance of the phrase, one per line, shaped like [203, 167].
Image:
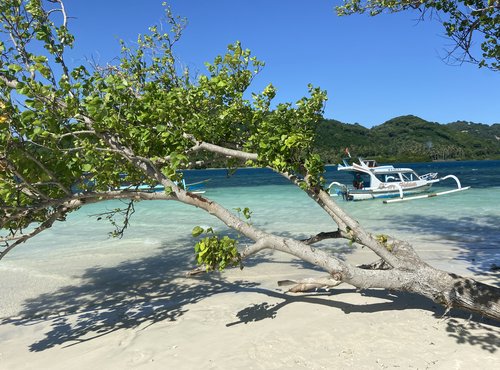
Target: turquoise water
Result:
[466, 222]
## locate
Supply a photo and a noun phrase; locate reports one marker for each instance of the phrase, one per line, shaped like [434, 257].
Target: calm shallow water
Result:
[465, 222]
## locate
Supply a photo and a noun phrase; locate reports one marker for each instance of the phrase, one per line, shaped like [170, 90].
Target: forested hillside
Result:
[409, 139]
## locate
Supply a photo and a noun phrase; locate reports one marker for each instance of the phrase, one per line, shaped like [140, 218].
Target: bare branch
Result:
[65, 205]
[126, 214]
[324, 235]
[200, 145]
[349, 228]
[325, 201]
[75, 133]
[308, 284]
[46, 170]
[77, 200]
[26, 186]
[45, 225]
[62, 9]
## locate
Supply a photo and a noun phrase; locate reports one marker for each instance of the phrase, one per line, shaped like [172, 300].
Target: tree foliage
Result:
[70, 136]
[472, 25]
[60, 126]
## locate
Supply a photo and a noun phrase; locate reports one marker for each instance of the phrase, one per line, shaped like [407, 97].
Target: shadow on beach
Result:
[139, 293]
[134, 292]
[463, 327]
[477, 239]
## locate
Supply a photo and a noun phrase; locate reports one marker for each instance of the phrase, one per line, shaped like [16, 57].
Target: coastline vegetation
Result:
[408, 139]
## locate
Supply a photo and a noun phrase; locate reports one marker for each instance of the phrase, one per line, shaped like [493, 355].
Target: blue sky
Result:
[374, 68]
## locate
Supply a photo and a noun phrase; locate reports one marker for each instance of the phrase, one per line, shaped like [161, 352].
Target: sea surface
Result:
[466, 223]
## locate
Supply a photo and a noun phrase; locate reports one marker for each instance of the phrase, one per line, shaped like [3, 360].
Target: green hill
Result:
[409, 138]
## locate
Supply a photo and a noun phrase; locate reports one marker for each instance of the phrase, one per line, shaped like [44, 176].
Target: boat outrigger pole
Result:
[459, 188]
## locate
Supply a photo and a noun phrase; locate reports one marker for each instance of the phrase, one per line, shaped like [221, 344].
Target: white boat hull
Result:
[366, 194]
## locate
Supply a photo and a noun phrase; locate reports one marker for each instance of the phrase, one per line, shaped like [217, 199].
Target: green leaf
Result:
[87, 167]
[247, 213]
[197, 231]
[15, 67]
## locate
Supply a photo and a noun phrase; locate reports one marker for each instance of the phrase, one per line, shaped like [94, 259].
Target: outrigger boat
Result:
[195, 187]
[372, 181]
[87, 183]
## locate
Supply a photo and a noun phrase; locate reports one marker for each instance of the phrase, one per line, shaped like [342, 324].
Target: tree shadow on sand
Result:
[133, 293]
[462, 327]
[478, 239]
[141, 292]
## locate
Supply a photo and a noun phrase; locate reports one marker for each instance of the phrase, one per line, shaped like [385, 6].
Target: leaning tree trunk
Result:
[400, 268]
[454, 291]
[446, 289]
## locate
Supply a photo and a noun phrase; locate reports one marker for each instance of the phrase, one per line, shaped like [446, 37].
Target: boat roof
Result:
[387, 169]
[370, 166]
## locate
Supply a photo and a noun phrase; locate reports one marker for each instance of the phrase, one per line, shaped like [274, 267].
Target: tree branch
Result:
[324, 235]
[349, 228]
[44, 225]
[27, 188]
[46, 170]
[360, 235]
[8, 82]
[78, 200]
[308, 284]
[200, 145]
[75, 133]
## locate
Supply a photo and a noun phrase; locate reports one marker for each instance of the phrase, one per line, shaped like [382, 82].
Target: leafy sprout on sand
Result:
[214, 252]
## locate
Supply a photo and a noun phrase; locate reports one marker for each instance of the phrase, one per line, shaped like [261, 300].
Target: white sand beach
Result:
[142, 313]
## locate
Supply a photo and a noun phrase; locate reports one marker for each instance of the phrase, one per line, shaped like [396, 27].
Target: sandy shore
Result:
[143, 313]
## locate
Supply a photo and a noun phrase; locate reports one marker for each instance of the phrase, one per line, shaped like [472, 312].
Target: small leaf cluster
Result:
[384, 240]
[246, 212]
[214, 252]
[352, 236]
[465, 22]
